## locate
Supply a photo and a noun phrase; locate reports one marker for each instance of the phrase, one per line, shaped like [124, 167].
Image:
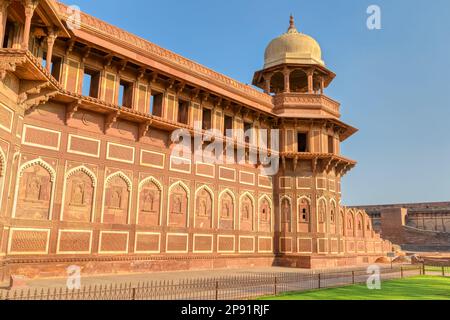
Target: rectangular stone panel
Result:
[177, 243]
[180, 165]
[41, 137]
[74, 242]
[304, 183]
[227, 174]
[28, 241]
[147, 242]
[334, 245]
[265, 244]
[285, 182]
[203, 243]
[322, 245]
[113, 242]
[246, 177]
[118, 152]
[72, 75]
[321, 183]
[205, 169]
[83, 146]
[246, 244]
[305, 245]
[350, 246]
[225, 244]
[152, 159]
[6, 118]
[264, 181]
[286, 245]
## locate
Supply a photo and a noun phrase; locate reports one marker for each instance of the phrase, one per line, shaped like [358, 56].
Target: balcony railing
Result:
[307, 101]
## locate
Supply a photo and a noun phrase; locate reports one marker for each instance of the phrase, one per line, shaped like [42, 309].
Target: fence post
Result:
[275, 286]
[423, 268]
[401, 272]
[353, 277]
[217, 290]
[320, 278]
[443, 271]
[133, 294]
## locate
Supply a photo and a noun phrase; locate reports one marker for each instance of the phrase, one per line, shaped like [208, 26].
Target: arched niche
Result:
[149, 202]
[285, 214]
[34, 191]
[226, 210]
[204, 204]
[178, 208]
[304, 214]
[117, 197]
[79, 195]
[246, 212]
[265, 214]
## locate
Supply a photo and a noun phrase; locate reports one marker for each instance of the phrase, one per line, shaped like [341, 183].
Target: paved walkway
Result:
[173, 276]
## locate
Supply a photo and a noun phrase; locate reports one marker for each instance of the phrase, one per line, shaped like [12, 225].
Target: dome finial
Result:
[292, 27]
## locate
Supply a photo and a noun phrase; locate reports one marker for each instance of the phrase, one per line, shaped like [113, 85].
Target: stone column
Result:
[322, 85]
[267, 79]
[310, 74]
[30, 6]
[51, 37]
[287, 87]
[3, 18]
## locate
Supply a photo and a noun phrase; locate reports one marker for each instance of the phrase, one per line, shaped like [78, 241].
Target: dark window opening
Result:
[302, 142]
[206, 119]
[125, 94]
[156, 104]
[247, 131]
[330, 144]
[183, 111]
[91, 83]
[9, 35]
[228, 126]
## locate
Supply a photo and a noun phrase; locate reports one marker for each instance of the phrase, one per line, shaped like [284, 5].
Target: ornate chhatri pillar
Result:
[30, 6]
[3, 18]
[51, 37]
[310, 74]
[267, 79]
[287, 87]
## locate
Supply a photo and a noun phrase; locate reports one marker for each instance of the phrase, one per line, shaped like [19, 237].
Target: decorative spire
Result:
[292, 28]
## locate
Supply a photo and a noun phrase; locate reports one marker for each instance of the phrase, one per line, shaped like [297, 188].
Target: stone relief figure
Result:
[149, 201]
[33, 190]
[322, 212]
[116, 198]
[349, 223]
[177, 204]
[225, 209]
[286, 210]
[34, 195]
[246, 212]
[332, 217]
[77, 197]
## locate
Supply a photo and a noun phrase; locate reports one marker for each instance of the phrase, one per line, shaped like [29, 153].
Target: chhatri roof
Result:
[293, 47]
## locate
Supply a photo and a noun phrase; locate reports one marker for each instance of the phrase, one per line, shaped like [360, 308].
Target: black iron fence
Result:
[223, 288]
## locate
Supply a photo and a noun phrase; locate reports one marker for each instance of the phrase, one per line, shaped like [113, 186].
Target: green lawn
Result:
[417, 288]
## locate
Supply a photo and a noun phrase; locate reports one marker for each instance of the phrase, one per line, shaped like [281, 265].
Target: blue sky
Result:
[393, 83]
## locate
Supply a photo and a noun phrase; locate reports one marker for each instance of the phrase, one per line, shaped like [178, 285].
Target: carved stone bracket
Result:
[144, 128]
[111, 119]
[72, 109]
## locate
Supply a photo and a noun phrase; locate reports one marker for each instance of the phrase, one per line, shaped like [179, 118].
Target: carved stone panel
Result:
[116, 201]
[178, 205]
[285, 212]
[149, 204]
[246, 210]
[78, 198]
[203, 209]
[226, 212]
[34, 196]
[321, 216]
[265, 216]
